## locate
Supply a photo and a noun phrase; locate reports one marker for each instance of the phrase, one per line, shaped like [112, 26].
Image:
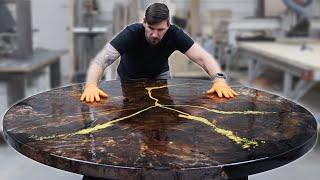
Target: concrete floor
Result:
[15, 166]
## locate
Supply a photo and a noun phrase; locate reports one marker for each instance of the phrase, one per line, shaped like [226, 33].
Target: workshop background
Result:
[272, 45]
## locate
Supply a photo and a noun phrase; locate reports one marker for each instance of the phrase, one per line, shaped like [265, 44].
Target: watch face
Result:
[221, 75]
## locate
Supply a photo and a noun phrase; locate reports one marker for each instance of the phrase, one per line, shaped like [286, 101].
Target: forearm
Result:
[94, 73]
[210, 65]
[103, 59]
[203, 59]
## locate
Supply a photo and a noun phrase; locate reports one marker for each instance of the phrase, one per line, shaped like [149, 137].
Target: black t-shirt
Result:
[139, 59]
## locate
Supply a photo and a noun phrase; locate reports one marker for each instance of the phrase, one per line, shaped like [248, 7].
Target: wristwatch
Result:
[219, 75]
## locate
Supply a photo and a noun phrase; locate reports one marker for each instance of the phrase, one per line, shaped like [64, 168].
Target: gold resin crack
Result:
[244, 142]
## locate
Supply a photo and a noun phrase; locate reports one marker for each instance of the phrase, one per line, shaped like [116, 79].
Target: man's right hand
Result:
[92, 93]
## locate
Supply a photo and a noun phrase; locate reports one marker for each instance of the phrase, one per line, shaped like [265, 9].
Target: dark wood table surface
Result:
[158, 129]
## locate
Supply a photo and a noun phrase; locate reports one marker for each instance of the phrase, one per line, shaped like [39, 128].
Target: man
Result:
[144, 50]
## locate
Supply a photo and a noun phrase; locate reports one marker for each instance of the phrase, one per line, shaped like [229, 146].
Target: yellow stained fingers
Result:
[222, 89]
[219, 93]
[92, 93]
[230, 93]
[97, 97]
[210, 91]
[82, 97]
[103, 94]
[225, 93]
[233, 92]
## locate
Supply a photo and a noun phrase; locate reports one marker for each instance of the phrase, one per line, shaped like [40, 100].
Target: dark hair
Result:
[156, 13]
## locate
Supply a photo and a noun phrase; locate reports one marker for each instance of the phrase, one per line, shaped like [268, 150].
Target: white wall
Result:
[106, 9]
[239, 8]
[53, 19]
[314, 9]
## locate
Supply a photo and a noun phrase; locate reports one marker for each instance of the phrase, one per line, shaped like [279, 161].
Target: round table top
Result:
[159, 128]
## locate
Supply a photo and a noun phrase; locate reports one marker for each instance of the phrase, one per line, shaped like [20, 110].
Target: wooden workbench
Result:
[294, 59]
[14, 72]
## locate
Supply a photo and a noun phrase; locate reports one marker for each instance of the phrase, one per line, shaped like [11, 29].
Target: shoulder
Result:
[127, 37]
[175, 29]
[177, 32]
[136, 27]
[182, 40]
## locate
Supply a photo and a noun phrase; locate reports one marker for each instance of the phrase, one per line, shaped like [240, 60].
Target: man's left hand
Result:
[222, 89]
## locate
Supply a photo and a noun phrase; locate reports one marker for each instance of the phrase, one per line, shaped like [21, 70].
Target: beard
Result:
[153, 41]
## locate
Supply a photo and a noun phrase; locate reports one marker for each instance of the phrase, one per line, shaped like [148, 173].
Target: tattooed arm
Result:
[103, 59]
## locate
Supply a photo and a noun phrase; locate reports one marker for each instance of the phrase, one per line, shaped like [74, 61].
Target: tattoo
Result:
[106, 56]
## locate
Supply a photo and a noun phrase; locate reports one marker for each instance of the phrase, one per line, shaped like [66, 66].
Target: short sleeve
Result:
[122, 41]
[184, 41]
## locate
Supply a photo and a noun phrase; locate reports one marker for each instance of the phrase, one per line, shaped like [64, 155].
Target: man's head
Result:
[156, 22]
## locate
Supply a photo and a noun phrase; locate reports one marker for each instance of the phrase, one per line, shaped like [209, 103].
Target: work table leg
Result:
[15, 88]
[55, 75]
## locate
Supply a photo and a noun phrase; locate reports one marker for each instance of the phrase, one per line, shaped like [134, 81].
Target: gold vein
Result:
[229, 134]
[222, 112]
[108, 124]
